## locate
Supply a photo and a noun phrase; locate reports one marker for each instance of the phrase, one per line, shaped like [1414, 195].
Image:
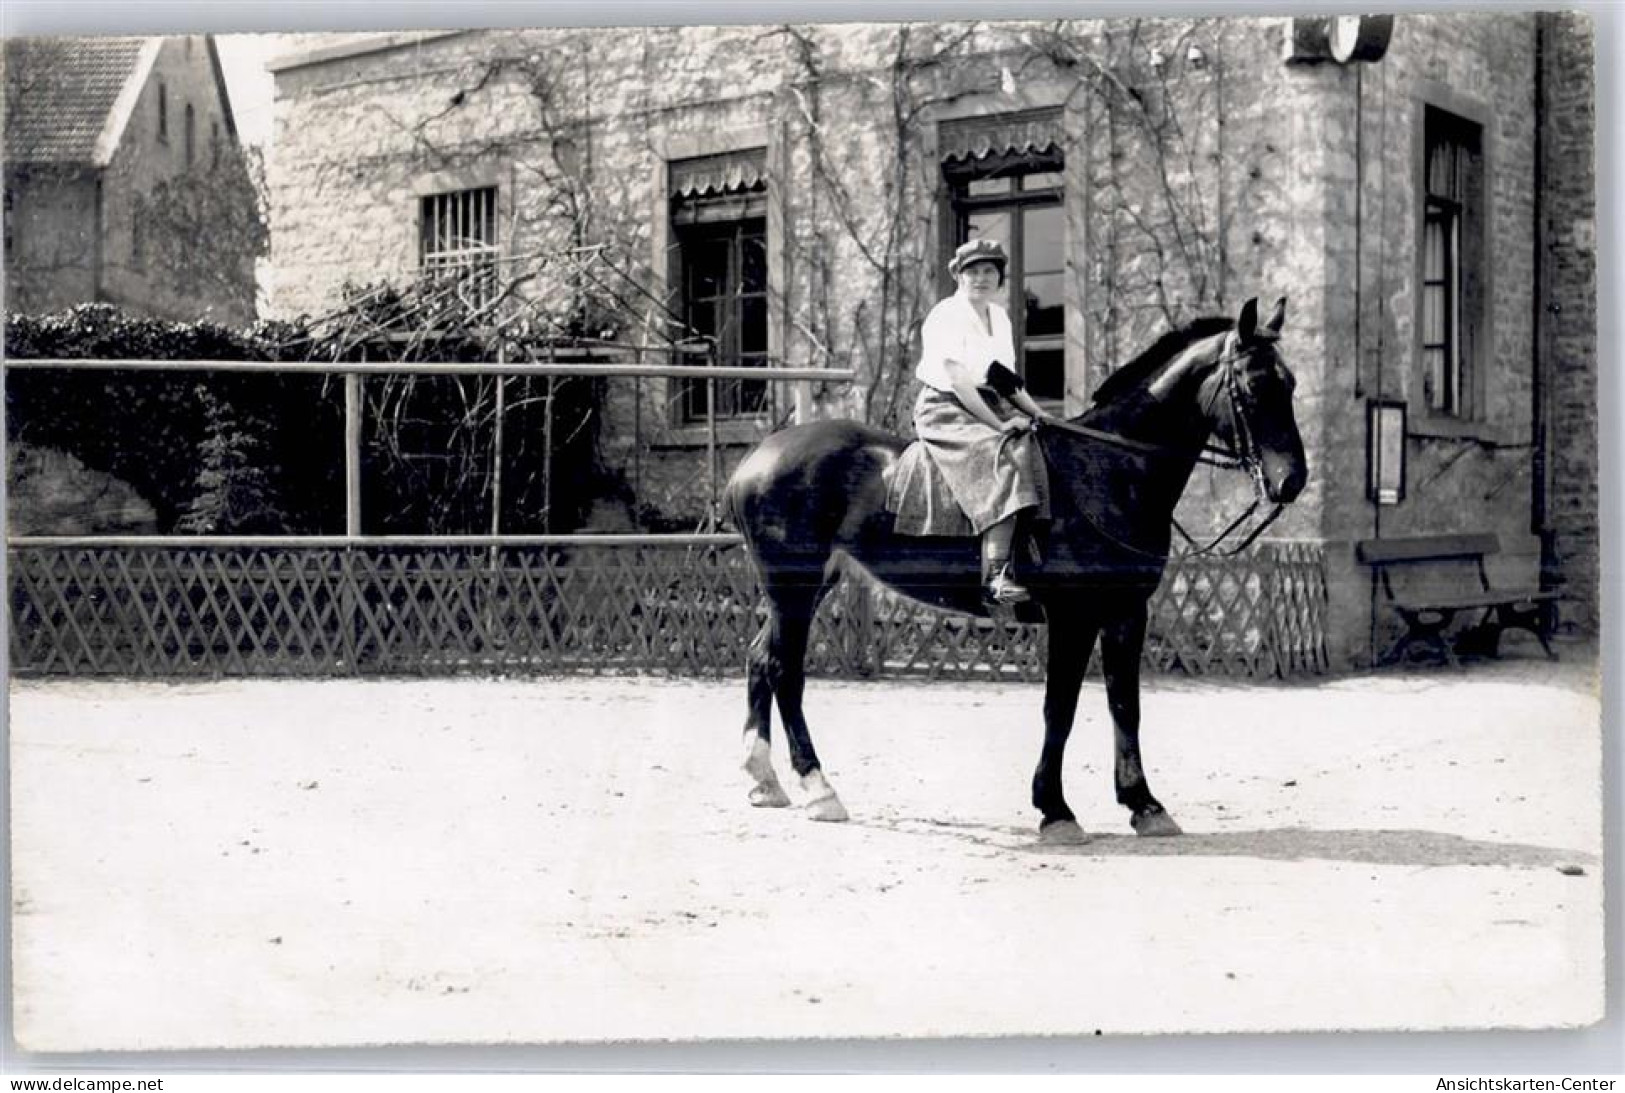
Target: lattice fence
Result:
[691, 610]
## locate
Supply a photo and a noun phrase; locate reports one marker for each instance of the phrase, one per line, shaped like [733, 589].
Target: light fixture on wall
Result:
[1386, 430]
[1359, 37]
[1340, 38]
[1195, 57]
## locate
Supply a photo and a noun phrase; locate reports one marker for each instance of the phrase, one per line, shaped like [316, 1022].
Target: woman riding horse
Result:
[811, 501]
[989, 464]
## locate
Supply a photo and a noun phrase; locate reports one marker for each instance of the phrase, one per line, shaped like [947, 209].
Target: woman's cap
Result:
[978, 250]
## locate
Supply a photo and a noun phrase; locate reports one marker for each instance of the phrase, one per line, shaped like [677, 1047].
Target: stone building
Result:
[792, 192]
[124, 181]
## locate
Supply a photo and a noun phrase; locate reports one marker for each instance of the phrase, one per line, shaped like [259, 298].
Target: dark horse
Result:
[812, 494]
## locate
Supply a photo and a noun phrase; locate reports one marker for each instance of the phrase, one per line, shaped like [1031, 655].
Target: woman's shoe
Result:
[1002, 589]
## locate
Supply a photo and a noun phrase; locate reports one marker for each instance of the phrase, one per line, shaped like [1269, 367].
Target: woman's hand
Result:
[1015, 424]
[1030, 407]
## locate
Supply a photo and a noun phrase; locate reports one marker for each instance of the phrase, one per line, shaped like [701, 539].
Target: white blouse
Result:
[954, 332]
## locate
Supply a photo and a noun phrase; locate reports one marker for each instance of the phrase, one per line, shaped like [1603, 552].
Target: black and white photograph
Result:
[783, 528]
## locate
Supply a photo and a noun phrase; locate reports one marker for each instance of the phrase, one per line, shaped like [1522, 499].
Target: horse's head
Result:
[1214, 377]
[1247, 398]
[1260, 425]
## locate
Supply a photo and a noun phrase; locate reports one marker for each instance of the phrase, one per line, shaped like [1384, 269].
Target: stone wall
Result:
[1215, 182]
[1569, 206]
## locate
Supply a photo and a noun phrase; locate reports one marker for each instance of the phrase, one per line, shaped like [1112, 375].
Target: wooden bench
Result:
[1431, 579]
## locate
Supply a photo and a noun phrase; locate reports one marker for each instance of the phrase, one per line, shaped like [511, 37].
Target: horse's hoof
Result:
[822, 803]
[1062, 833]
[766, 792]
[769, 796]
[1155, 825]
[827, 810]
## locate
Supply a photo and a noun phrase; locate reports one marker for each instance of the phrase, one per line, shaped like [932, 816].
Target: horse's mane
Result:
[1137, 372]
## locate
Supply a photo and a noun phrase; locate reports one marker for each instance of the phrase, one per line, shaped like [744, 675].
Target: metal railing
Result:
[354, 372]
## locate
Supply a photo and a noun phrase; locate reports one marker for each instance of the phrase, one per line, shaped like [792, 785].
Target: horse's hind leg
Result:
[822, 803]
[765, 792]
[791, 607]
[777, 670]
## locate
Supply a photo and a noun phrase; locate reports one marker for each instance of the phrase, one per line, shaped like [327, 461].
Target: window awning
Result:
[1024, 133]
[715, 176]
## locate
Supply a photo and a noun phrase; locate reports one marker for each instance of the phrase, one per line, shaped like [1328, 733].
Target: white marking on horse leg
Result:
[822, 804]
[766, 792]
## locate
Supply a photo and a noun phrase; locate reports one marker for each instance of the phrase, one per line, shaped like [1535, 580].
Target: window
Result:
[457, 234]
[1452, 262]
[719, 221]
[1004, 177]
[163, 113]
[191, 134]
[724, 279]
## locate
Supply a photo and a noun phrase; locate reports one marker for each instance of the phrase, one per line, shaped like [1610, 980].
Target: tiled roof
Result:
[59, 93]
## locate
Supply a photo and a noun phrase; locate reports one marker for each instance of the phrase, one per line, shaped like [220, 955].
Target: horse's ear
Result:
[1247, 321]
[1277, 317]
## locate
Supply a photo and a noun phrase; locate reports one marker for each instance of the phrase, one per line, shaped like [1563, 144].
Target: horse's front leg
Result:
[1070, 643]
[1121, 644]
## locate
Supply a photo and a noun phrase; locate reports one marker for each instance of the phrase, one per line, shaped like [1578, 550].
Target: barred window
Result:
[1451, 262]
[458, 243]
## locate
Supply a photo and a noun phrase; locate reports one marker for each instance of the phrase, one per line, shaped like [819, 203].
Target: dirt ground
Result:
[343, 863]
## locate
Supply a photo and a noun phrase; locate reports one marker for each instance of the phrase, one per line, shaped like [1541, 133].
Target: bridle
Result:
[1242, 454]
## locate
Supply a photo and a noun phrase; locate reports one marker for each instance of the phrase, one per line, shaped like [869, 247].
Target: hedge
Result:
[263, 453]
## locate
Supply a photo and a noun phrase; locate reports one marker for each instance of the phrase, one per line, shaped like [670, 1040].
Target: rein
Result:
[1242, 455]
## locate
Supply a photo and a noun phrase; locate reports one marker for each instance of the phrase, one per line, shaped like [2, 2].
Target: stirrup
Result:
[1002, 589]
